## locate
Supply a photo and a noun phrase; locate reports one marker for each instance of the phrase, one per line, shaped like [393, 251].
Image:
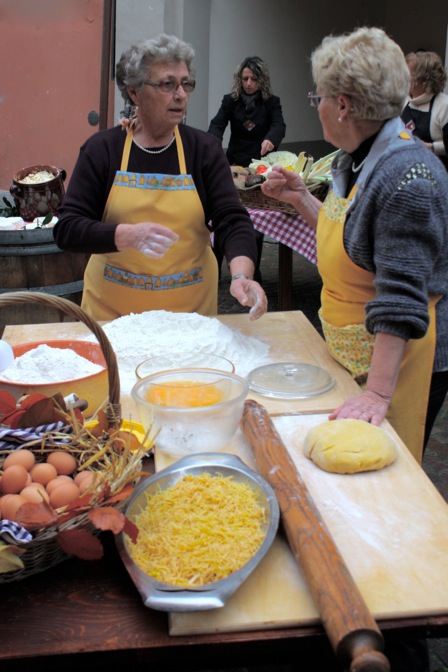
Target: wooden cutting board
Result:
[391, 527]
[292, 338]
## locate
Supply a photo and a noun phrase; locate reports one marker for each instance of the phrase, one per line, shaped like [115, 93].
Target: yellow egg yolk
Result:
[184, 394]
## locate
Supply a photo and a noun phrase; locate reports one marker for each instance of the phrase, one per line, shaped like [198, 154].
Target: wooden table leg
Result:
[284, 277]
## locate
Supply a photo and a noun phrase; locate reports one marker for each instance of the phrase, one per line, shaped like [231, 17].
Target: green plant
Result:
[8, 209]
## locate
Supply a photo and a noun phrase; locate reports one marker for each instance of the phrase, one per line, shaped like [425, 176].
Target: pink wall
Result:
[50, 54]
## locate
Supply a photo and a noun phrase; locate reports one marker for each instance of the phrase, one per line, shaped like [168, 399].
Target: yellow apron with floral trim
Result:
[185, 279]
[346, 290]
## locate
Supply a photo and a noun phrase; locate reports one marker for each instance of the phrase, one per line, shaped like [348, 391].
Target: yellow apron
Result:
[185, 279]
[346, 290]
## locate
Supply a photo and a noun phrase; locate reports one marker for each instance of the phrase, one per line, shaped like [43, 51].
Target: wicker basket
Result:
[254, 198]
[44, 550]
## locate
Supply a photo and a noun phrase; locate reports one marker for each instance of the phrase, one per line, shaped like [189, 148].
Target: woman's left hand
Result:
[368, 406]
[250, 293]
[266, 147]
[373, 402]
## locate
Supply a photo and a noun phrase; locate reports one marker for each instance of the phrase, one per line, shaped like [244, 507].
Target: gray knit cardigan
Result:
[397, 228]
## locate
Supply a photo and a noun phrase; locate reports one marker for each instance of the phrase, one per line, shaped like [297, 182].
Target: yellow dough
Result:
[348, 446]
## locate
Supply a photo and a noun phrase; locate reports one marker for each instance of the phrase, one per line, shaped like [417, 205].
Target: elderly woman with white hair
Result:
[382, 236]
[144, 198]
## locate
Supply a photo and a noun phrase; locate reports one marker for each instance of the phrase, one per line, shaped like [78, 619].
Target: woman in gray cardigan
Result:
[382, 236]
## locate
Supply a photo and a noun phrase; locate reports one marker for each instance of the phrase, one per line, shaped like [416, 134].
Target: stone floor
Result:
[306, 290]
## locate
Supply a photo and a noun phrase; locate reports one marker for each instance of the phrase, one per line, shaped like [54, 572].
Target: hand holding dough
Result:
[347, 446]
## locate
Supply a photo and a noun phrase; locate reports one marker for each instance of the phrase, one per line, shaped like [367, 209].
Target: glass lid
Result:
[290, 380]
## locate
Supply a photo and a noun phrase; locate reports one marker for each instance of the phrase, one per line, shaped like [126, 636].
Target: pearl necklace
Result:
[154, 151]
[358, 168]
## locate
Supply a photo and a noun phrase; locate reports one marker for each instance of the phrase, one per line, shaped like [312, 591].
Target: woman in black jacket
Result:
[255, 115]
[256, 122]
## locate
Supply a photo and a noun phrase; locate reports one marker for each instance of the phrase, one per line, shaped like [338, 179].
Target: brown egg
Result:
[35, 493]
[14, 479]
[88, 483]
[3, 499]
[55, 482]
[82, 476]
[43, 473]
[63, 462]
[10, 505]
[21, 456]
[64, 494]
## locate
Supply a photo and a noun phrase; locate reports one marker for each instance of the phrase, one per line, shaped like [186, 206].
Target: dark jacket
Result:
[245, 142]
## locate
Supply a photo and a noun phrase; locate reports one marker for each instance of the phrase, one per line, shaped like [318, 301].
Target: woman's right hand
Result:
[153, 240]
[287, 186]
[284, 185]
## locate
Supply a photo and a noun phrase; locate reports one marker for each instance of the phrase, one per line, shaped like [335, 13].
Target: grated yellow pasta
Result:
[199, 530]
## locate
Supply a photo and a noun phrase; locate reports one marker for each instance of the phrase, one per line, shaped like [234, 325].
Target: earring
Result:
[339, 120]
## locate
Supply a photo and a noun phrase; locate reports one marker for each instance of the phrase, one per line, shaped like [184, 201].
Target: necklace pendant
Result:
[249, 125]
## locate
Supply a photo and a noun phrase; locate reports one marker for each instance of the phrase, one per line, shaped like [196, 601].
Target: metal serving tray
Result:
[164, 597]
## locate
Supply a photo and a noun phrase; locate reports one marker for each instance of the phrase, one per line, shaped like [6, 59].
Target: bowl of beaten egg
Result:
[204, 524]
[190, 410]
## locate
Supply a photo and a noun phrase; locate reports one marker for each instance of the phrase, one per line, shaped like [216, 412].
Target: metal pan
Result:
[164, 597]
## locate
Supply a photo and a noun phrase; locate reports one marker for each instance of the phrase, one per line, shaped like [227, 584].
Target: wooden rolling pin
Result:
[351, 629]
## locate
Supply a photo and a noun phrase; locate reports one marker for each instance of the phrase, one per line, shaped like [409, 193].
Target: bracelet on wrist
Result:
[240, 275]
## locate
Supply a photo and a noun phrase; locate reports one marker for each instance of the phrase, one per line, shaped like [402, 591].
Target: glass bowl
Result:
[190, 410]
[196, 360]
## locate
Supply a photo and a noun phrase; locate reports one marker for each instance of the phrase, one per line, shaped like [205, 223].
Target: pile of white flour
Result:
[137, 337]
[45, 364]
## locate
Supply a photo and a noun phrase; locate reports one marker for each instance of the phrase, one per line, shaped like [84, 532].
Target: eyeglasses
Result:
[315, 100]
[170, 86]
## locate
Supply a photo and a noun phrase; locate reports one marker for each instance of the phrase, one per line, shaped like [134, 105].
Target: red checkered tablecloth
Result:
[291, 230]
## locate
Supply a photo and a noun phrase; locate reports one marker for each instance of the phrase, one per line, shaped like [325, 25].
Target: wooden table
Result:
[90, 614]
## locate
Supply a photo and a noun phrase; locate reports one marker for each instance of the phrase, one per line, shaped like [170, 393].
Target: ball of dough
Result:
[348, 446]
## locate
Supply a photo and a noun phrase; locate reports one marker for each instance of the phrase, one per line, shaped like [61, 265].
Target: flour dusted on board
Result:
[45, 364]
[137, 337]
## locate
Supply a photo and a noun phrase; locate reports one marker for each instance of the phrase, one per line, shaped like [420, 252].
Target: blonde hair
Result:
[368, 67]
[427, 69]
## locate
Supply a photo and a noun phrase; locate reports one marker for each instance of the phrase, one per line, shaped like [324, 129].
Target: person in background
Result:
[256, 121]
[253, 112]
[142, 194]
[426, 112]
[382, 235]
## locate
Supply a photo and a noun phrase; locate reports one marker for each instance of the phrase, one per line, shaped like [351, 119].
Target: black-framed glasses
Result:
[170, 86]
[315, 100]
